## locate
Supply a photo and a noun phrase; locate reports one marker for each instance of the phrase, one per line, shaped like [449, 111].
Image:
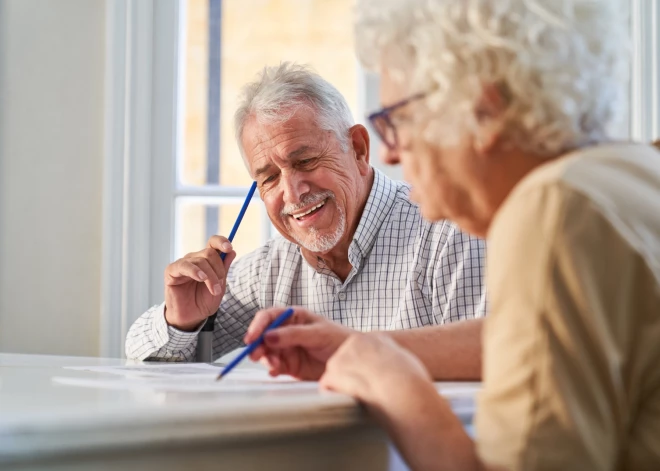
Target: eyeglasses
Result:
[382, 122]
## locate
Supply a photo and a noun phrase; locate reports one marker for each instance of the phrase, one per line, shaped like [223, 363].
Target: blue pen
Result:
[250, 348]
[205, 336]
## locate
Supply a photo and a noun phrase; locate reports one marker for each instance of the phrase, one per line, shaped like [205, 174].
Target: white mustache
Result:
[307, 200]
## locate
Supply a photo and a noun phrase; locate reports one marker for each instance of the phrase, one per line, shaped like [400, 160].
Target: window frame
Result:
[142, 51]
[644, 109]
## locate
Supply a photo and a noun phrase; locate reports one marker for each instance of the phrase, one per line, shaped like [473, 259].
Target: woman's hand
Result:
[300, 347]
[374, 369]
[398, 391]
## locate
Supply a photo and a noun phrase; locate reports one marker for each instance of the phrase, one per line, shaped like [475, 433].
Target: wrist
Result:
[184, 327]
[395, 391]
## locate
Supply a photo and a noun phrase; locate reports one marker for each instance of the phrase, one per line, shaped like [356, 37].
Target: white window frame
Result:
[143, 50]
[644, 108]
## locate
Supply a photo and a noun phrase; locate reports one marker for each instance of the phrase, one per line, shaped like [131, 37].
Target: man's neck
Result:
[337, 258]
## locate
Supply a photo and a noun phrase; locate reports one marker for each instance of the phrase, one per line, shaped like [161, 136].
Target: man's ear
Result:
[490, 116]
[359, 137]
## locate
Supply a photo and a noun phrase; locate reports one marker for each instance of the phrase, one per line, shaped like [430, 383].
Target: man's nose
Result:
[295, 186]
[389, 156]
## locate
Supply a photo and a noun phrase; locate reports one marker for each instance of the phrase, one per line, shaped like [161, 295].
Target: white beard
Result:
[321, 243]
[313, 241]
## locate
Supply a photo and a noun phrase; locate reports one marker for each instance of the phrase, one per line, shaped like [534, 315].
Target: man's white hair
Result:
[280, 91]
[561, 64]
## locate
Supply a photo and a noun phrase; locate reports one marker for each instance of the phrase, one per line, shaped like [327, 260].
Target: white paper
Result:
[183, 371]
[201, 377]
[193, 377]
[455, 390]
[186, 370]
[191, 385]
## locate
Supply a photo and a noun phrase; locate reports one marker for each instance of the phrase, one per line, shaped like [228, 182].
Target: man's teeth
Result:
[298, 216]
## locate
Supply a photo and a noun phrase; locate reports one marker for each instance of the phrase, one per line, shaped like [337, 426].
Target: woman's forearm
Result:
[425, 430]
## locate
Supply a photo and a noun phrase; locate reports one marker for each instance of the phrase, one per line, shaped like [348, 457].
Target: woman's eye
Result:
[400, 119]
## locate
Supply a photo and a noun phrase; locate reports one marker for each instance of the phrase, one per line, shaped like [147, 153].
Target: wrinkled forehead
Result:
[279, 142]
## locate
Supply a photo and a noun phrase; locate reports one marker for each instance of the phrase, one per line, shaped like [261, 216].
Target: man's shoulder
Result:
[403, 205]
[406, 212]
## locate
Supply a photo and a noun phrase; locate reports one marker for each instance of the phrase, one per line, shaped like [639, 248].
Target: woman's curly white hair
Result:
[562, 63]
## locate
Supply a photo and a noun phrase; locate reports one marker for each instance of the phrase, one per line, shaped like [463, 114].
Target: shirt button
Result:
[342, 296]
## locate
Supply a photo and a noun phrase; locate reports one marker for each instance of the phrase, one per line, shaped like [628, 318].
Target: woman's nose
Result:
[389, 156]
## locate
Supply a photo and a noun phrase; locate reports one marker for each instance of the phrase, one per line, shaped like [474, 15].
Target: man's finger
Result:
[228, 259]
[182, 271]
[220, 243]
[214, 285]
[213, 257]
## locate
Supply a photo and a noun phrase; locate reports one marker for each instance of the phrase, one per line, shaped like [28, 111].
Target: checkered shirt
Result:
[406, 273]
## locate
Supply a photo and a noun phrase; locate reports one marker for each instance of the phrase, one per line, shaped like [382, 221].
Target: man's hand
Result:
[196, 283]
[300, 347]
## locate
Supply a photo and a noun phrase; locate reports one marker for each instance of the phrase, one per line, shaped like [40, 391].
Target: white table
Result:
[46, 425]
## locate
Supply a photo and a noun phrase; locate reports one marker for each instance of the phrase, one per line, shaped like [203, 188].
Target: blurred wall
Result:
[51, 149]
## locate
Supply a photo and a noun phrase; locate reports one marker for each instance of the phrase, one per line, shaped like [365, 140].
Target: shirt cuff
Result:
[165, 334]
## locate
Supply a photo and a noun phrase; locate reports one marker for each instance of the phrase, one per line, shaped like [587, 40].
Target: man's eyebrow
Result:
[262, 170]
[292, 155]
[298, 152]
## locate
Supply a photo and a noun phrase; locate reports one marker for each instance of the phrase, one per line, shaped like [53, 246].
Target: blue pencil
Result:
[246, 203]
[250, 348]
[205, 336]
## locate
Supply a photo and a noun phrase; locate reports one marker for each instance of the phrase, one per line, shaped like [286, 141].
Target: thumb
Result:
[228, 259]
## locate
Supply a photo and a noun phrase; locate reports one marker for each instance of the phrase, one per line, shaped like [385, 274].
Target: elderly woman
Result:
[499, 112]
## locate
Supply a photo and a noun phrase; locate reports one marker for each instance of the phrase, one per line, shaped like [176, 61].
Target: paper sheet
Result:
[174, 370]
[166, 370]
[191, 377]
[182, 371]
[456, 390]
[201, 377]
[196, 385]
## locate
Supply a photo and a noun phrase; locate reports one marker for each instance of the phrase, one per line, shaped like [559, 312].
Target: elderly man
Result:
[353, 247]
[499, 113]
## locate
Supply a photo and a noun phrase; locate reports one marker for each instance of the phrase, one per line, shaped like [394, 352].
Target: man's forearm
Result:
[449, 352]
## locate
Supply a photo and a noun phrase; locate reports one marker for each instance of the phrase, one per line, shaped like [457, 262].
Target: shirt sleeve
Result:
[552, 390]
[458, 289]
[150, 338]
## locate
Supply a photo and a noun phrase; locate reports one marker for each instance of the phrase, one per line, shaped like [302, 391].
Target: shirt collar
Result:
[380, 202]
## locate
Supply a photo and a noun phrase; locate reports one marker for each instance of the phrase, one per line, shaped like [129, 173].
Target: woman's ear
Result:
[490, 116]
